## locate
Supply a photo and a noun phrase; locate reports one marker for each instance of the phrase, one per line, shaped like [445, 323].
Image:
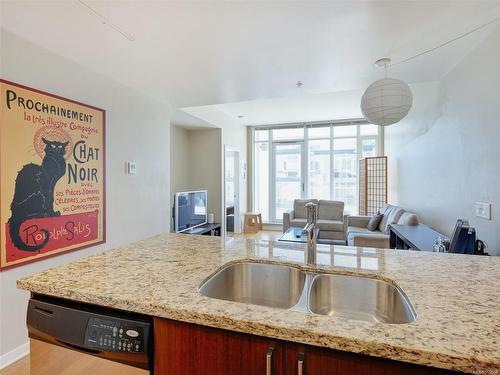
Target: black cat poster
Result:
[52, 175]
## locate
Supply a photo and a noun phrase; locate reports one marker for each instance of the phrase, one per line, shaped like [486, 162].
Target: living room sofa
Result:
[358, 234]
[330, 218]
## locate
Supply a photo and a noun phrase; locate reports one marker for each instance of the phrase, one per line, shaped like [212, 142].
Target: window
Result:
[285, 134]
[319, 168]
[318, 132]
[288, 181]
[368, 147]
[368, 129]
[310, 161]
[261, 135]
[345, 131]
[345, 173]
[261, 179]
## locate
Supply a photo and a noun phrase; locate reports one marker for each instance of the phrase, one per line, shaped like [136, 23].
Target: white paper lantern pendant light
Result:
[387, 100]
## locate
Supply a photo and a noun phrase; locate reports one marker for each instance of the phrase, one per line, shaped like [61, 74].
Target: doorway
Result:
[232, 189]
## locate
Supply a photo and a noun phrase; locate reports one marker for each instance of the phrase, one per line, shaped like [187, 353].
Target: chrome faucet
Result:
[311, 232]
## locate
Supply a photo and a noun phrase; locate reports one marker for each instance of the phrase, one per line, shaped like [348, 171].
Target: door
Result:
[189, 349]
[308, 360]
[289, 183]
[301, 360]
[232, 189]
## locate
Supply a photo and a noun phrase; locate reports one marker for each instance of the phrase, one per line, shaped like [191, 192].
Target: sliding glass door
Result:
[288, 176]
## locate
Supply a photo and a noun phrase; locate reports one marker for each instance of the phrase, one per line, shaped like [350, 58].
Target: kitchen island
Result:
[456, 297]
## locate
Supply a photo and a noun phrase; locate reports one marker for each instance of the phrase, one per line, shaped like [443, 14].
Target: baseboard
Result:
[14, 355]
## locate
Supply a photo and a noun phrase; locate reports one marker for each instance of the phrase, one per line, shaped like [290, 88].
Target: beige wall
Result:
[137, 129]
[234, 135]
[446, 155]
[179, 160]
[205, 167]
[196, 164]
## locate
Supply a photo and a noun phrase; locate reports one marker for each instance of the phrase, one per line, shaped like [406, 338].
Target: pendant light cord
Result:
[445, 43]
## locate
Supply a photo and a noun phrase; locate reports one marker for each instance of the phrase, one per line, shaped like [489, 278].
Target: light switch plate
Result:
[131, 167]
[483, 210]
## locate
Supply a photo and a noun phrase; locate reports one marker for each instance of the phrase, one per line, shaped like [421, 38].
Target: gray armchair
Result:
[296, 217]
[330, 218]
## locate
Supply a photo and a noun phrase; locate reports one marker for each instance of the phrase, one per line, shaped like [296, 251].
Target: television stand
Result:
[214, 229]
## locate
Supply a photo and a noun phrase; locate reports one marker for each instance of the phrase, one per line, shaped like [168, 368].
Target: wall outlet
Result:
[483, 210]
[131, 167]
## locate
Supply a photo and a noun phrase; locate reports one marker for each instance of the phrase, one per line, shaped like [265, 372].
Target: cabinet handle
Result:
[269, 357]
[300, 365]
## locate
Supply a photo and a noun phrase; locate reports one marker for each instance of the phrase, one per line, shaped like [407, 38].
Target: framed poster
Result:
[52, 175]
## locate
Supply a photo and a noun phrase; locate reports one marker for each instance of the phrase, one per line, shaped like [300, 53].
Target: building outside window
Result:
[309, 161]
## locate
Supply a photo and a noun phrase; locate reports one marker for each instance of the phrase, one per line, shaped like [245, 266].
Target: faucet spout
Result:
[311, 232]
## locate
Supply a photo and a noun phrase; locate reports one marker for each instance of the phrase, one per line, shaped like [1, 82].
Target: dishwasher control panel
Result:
[114, 335]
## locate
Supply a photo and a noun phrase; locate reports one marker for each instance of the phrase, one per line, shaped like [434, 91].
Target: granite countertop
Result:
[456, 297]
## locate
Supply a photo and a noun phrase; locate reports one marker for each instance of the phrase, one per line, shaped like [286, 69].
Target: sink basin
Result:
[285, 287]
[361, 298]
[257, 283]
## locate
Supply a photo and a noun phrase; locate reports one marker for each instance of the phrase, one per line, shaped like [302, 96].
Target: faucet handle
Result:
[311, 212]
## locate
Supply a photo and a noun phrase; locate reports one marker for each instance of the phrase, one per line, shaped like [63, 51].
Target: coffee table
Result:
[295, 234]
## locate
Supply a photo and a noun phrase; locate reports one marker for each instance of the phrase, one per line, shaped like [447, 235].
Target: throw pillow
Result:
[374, 221]
[408, 219]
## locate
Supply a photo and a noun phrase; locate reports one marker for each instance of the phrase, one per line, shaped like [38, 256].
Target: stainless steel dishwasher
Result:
[75, 338]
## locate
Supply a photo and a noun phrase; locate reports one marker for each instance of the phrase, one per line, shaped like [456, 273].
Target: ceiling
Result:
[192, 54]
[290, 109]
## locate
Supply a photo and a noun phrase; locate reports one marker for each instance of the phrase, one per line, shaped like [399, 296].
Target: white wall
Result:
[137, 129]
[446, 155]
[398, 137]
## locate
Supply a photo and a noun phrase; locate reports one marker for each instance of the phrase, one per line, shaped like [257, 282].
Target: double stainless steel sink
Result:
[292, 288]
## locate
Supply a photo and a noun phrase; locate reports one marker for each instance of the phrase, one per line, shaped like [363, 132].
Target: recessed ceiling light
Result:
[241, 116]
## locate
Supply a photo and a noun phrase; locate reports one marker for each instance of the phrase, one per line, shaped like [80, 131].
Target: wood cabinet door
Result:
[189, 349]
[305, 360]
[318, 361]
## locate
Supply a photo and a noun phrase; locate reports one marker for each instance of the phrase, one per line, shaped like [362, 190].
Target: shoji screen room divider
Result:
[372, 184]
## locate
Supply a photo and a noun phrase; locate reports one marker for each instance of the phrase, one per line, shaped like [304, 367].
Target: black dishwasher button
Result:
[93, 332]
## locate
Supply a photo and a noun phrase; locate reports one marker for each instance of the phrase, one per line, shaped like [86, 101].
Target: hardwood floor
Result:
[54, 360]
[86, 364]
[20, 367]
[271, 235]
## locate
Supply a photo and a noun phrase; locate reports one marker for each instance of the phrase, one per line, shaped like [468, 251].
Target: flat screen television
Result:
[190, 209]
